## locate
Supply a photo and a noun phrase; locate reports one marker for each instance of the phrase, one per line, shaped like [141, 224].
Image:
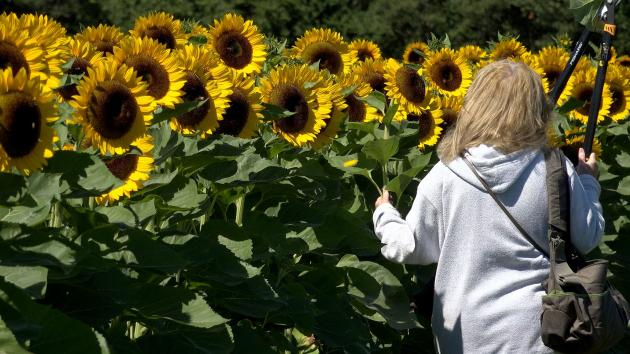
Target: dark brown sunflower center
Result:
[326, 54]
[506, 53]
[291, 99]
[79, 67]
[105, 46]
[624, 62]
[356, 109]
[235, 116]
[618, 100]
[364, 53]
[449, 117]
[584, 94]
[376, 81]
[12, 57]
[20, 124]
[552, 76]
[425, 124]
[235, 49]
[410, 84]
[415, 57]
[161, 34]
[122, 167]
[152, 72]
[112, 109]
[194, 90]
[447, 75]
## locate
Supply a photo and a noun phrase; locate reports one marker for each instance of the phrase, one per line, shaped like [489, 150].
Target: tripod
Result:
[606, 14]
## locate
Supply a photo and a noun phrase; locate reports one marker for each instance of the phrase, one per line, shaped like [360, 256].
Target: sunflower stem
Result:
[385, 131]
[240, 207]
[369, 177]
[56, 215]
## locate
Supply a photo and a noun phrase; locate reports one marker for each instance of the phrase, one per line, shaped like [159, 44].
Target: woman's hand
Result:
[383, 199]
[587, 166]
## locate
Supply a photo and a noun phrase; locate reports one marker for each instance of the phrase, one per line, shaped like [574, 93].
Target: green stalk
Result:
[385, 175]
[369, 177]
[385, 131]
[240, 208]
[56, 215]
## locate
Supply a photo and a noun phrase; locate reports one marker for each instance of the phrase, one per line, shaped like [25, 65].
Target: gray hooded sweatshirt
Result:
[488, 281]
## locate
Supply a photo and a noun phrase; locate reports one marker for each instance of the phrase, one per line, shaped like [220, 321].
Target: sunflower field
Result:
[192, 188]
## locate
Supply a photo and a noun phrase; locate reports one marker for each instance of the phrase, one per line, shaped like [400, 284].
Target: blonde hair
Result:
[505, 107]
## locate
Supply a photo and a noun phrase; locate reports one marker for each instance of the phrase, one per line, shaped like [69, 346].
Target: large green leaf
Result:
[32, 280]
[8, 343]
[399, 183]
[42, 329]
[82, 174]
[218, 340]
[377, 288]
[381, 149]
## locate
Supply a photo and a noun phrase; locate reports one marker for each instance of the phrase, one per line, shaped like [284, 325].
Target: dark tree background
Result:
[391, 24]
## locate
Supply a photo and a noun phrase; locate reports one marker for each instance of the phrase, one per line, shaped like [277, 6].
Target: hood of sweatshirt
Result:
[499, 170]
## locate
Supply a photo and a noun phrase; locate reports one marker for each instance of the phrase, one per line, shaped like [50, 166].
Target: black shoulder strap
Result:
[496, 199]
[559, 204]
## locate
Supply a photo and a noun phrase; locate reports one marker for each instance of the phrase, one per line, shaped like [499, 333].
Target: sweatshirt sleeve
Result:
[413, 240]
[587, 217]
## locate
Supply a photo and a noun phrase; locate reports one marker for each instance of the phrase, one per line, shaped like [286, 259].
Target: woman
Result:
[488, 280]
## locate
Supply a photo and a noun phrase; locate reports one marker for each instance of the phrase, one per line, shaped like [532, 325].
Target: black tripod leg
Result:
[578, 50]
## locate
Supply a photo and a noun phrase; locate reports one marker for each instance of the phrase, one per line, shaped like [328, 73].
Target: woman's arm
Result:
[587, 218]
[412, 240]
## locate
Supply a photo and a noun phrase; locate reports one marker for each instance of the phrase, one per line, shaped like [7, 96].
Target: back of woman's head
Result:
[505, 107]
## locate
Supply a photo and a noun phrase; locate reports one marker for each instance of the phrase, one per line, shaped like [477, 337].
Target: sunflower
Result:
[473, 54]
[133, 168]
[239, 44]
[583, 90]
[326, 47]
[243, 112]
[624, 61]
[372, 72]
[297, 89]
[507, 48]
[450, 107]
[617, 80]
[357, 110]
[104, 37]
[156, 65]
[416, 53]
[571, 143]
[51, 38]
[406, 85]
[83, 56]
[584, 64]
[205, 80]
[113, 105]
[338, 113]
[162, 27]
[18, 50]
[552, 61]
[364, 49]
[199, 35]
[429, 129]
[25, 139]
[448, 73]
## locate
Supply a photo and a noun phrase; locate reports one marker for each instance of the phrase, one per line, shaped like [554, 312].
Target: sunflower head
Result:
[448, 72]
[239, 44]
[365, 49]
[552, 61]
[406, 85]
[572, 142]
[243, 112]
[582, 90]
[104, 37]
[619, 84]
[113, 106]
[507, 48]
[161, 27]
[450, 108]
[132, 168]
[333, 121]
[25, 138]
[156, 65]
[416, 53]
[299, 90]
[82, 55]
[429, 129]
[371, 72]
[19, 51]
[326, 47]
[624, 61]
[472, 54]
[357, 110]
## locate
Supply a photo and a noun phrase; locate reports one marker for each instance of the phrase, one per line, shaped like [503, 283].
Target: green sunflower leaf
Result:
[272, 112]
[375, 99]
[391, 112]
[381, 149]
[164, 114]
